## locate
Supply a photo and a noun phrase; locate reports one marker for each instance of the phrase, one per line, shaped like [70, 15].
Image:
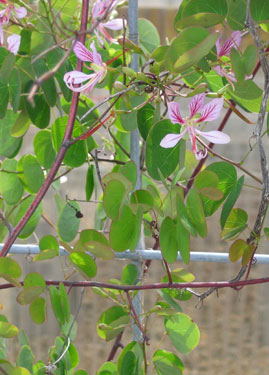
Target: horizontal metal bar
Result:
[195, 256]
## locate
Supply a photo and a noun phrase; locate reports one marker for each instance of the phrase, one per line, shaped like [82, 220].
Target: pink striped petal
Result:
[75, 77]
[1, 35]
[170, 140]
[97, 59]
[196, 104]
[230, 76]
[116, 24]
[13, 43]
[225, 49]
[82, 52]
[20, 12]
[215, 136]
[211, 111]
[174, 113]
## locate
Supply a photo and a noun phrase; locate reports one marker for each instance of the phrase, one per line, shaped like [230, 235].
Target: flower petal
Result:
[13, 43]
[116, 24]
[215, 136]
[76, 77]
[212, 110]
[234, 41]
[196, 104]
[20, 12]
[97, 59]
[174, 113]
[170, 140]
[82, 52]
[230, 76]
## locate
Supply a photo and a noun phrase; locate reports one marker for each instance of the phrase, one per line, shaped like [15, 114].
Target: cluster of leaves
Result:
[174, 198]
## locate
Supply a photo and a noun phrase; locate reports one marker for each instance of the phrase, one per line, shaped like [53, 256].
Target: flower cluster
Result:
[14, 40]
[199, 112]
[74, 78]
[98, 10]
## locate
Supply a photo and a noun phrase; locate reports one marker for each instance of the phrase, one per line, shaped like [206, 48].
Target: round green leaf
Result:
[48, 86]
[68, 223]
[237, 250]
[128, 365]
[129, 171]
[96, 244]
[10, 267]
[247, 94]
[4, 96]
[236, 16]
[10, 184]
[235, 223]
[15, 89]
[148, 35]
[57, 304]
[65, 302]
[141, 198]
[48, 242]
[39, 112]
[29, 294]
[114, 198]
[160, 158]
[259, 10]
[129, 274]
[167, 363]
[145, 117]
[43, 148]
[34, 279]
[168, 240]
[8, 330]
[19, 371]
[38, 310]
[33, 176]
[206, 182]
[21, 125]
[183, 241]
[77, 153]
[112, 322]
[9, 146]
[25, 358]
[84, 264]
[183, 332]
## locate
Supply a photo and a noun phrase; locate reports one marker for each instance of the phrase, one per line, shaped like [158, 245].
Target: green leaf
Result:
[25, 358]
[38, 310]
[48, 86]
[266, 232]
[8, 330]
[237, 65]
[10, 184]
[247, 94]
[4, 96]
[14, 85]
[115, 196]
[250, 57]
[128, 121]
[68, 223]
[48, 242]
[141, 198]
[167, 363]
[21, 125]
[227, 176]
[9, 146]
[124, 233]
[43, 148]
[10, 267]
[108, 368]
[65, 302]
[199, 12]
[89, 183]
[56, 304]
[259, 10]
[84, 264]
[129, 171]
[183, 240]
[145, 117]
[39, 112]
[206, 182]
[34, 279]
[182, 215]
[148, 35]
[183, 332]
[160, 158]
[77, 153]
[19, 371]
[237, 249]
[28, 295]
[33, 176]
[192, 56]
[32, 222]
[235, 223]
[168, 240]
[236, 16]
[128, 365]
[129, 274]
[230, 202]
[196, 212]
[112, 322]
[96, 243]
[136, 348]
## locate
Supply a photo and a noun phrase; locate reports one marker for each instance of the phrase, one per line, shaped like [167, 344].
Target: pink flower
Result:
[199, 112]
[74, 78]
[5, 16]
[13, 43]
[99, 8]
[225, 50]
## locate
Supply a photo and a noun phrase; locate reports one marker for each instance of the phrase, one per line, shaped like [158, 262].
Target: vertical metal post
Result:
[135, 151]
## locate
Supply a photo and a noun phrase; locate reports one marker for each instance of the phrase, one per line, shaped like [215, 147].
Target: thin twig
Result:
[136, 318]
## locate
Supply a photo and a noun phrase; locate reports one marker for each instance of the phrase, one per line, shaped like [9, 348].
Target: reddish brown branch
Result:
[117, 344]
[136, 318]
[59, 158]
